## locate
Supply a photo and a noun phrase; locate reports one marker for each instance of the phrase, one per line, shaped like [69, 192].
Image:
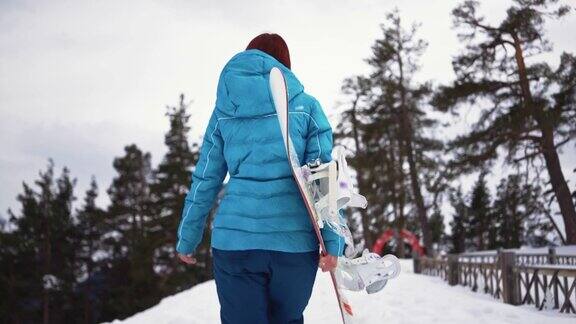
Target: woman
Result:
[264, 247]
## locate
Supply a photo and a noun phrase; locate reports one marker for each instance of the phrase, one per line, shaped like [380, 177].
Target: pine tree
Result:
[129, 196]
[350, 134]
[39, 260]
[437, 228]
[12, 290]
[521, 214]
[480, 213]
[171, 183]
[90, 231]
[460, 224]
[530, 108]
[386, 125]
[132, 280]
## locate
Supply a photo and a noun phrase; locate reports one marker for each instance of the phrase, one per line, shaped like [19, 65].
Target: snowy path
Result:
[408, 299]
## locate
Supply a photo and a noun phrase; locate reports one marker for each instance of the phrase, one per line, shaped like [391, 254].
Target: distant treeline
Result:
[60, 265]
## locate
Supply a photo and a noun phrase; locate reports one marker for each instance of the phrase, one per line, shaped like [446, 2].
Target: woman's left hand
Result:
[328, 262]
[187, 258]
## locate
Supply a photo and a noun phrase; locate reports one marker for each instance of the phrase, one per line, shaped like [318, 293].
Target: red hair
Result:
[272, 44]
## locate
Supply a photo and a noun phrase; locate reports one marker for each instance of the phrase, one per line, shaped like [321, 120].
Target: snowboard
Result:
[279, 93]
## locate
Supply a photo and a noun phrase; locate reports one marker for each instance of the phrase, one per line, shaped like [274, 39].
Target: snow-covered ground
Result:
[408, 299]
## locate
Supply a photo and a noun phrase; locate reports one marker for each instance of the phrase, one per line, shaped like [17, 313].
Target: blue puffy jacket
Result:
[261, 207]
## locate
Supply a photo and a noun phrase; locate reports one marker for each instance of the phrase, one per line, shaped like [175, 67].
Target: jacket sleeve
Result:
[319, 139]
[207, 180]
[319, 146]
[334, 243]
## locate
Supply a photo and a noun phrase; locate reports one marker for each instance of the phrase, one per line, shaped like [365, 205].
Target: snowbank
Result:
[408, 299]
[561, 250]
[565, 249]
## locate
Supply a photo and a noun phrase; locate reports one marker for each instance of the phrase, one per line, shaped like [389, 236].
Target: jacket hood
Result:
[243, 88]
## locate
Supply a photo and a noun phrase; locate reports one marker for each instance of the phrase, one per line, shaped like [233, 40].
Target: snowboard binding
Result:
[332, 189]
[368, 272]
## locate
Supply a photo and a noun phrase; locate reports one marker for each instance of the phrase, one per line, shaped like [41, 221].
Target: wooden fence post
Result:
[453, 269]
[552, 255]
[417, 262]
[510, 283]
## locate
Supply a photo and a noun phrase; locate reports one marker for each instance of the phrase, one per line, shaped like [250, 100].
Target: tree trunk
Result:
[561, 190]
[47, 262]
[88, 307]
[418, 199]
[368, 242]
[548, 148]
[397, 191]
[401, 203]
[46, 292]
[400, 250]
[560, 235]
[407, 134]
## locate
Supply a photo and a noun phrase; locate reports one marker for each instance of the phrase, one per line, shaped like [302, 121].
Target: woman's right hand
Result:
[328, 262]
[187, 258]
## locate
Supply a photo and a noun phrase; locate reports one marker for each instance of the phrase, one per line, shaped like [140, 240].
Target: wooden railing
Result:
[435, 267]
[542, 258]
[552, 287]
[483, 276]
[547, 281]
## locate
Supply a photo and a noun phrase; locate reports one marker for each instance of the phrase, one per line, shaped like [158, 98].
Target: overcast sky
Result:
[79, 80]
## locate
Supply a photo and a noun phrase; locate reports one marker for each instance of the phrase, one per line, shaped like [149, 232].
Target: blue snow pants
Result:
[263, 287]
